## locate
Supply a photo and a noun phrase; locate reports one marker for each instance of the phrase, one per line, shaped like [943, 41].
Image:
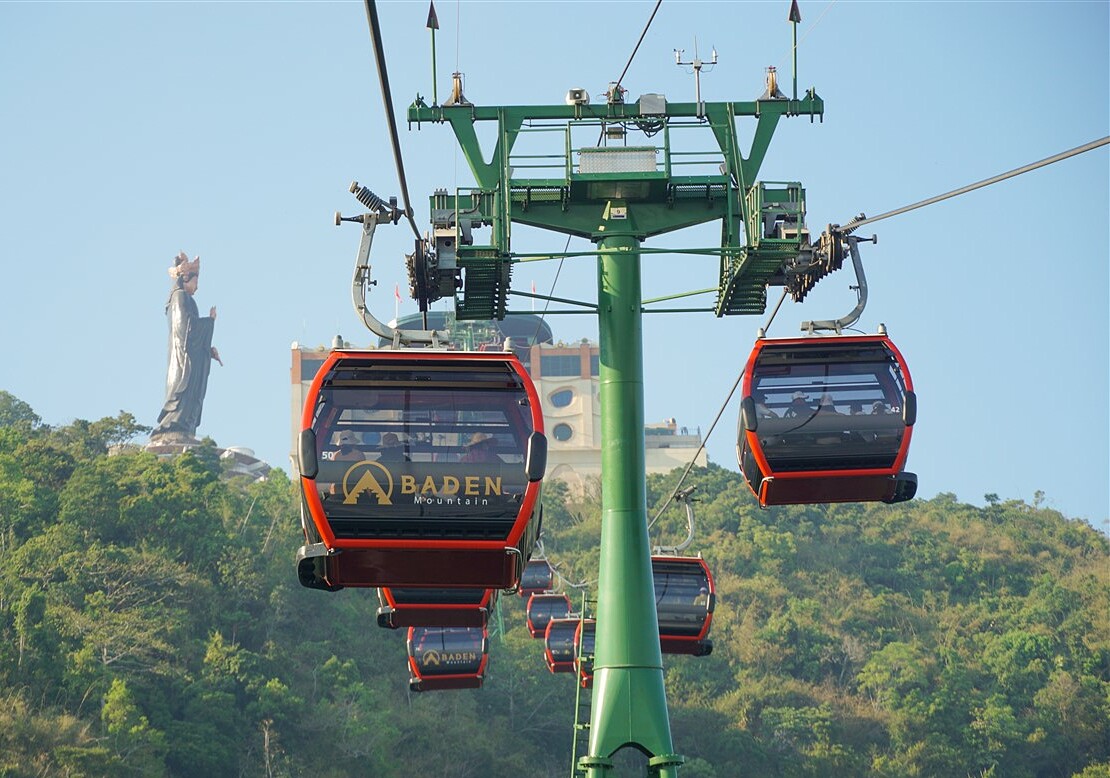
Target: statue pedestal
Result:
[239, 461]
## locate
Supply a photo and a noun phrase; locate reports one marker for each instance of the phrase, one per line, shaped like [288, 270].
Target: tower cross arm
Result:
[810, 105]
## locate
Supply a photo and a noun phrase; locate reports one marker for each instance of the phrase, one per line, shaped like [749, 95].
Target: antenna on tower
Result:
[697, 64]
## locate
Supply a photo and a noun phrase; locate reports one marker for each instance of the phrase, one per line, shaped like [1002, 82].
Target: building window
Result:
[595, 364]
[560, 365]
[562, 432]
[309, 368]
[562, 398]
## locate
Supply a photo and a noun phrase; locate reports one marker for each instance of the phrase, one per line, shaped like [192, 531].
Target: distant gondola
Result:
[420, 468]
[558, 644]
[584, 640]
[422, 607]
[538, 576]
[684, 599]
[544, 607]
[447, 657]
[827, 419]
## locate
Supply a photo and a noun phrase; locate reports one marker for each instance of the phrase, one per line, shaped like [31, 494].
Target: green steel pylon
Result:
[618, 197]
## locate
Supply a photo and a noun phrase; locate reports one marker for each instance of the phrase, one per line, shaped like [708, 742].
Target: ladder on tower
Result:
[582, 701]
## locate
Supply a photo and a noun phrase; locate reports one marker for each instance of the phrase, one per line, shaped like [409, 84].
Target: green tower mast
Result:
[618, 196]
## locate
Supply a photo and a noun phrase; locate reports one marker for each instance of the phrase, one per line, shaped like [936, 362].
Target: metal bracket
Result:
[684, 496]
[837, 325]
[361, 282]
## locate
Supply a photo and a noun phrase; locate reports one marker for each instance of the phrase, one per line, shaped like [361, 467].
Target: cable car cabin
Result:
[447, 657]
[544, 607]
[420, 468]
[538, 577]
[827, 419]
[421, 607]
[558, 644]
[584, 657]
[684, 600]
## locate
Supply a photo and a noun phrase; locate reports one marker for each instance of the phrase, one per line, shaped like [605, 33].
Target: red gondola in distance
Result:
[684, 600]
[447, 657]
[426, 607]
[558, 644]
[420, 468]
[584, 639]
[827, 419]
[542, 608]
[538, 576]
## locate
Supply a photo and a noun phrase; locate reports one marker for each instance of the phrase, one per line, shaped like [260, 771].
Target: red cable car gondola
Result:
[558, 644]
[447, 657]
[538, 576]
[827, 419]
[423, 607]
[684, 599]
[544, 607]
[584, 639]
[420, 468]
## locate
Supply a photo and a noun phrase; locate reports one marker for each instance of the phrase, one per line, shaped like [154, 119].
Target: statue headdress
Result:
[183, 267]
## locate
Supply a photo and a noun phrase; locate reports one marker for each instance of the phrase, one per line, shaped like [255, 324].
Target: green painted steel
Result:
[629, 702]
[618, 197]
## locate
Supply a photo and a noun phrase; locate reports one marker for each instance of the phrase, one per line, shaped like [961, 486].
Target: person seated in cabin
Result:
[480, 448]
[799, 406]
[702, 599]
[761, 409]
[879, 408]
[855, 409]
[827, 406]
[392, 449]
[347, 441]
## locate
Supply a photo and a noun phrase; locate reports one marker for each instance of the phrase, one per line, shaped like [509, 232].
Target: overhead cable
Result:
[980, 184]
[637, 48]
[694, 459]
[383, 76]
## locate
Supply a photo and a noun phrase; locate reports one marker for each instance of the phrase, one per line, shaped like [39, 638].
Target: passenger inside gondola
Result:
[392, 450]
[799, 407]
[761, 409]
[347, 441]
[480, 448]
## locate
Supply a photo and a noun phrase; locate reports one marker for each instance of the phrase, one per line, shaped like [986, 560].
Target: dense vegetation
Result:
[151, 625]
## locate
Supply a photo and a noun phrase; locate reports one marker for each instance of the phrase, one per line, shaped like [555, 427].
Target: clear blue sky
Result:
[231, 130]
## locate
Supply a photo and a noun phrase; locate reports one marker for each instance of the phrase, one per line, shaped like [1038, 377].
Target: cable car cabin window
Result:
[538, 576]
[430, 596]
[394, 449]
[682, 598]
[833, 408]
[447, 651]
[584, 638]
[559, 644]
[542, 608]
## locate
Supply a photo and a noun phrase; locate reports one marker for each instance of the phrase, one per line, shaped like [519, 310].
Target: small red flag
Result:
[795, 14]
[397, 292]
[433, 20]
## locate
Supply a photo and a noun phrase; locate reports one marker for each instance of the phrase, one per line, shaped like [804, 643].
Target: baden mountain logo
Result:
[363, 477]
[371, 478]
[435, 658]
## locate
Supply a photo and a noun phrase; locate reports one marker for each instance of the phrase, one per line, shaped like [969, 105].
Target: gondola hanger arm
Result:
[684, 496]
[379, 213]
[838, 325]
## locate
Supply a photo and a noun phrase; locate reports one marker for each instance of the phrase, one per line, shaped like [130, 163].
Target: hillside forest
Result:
[151, 624]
